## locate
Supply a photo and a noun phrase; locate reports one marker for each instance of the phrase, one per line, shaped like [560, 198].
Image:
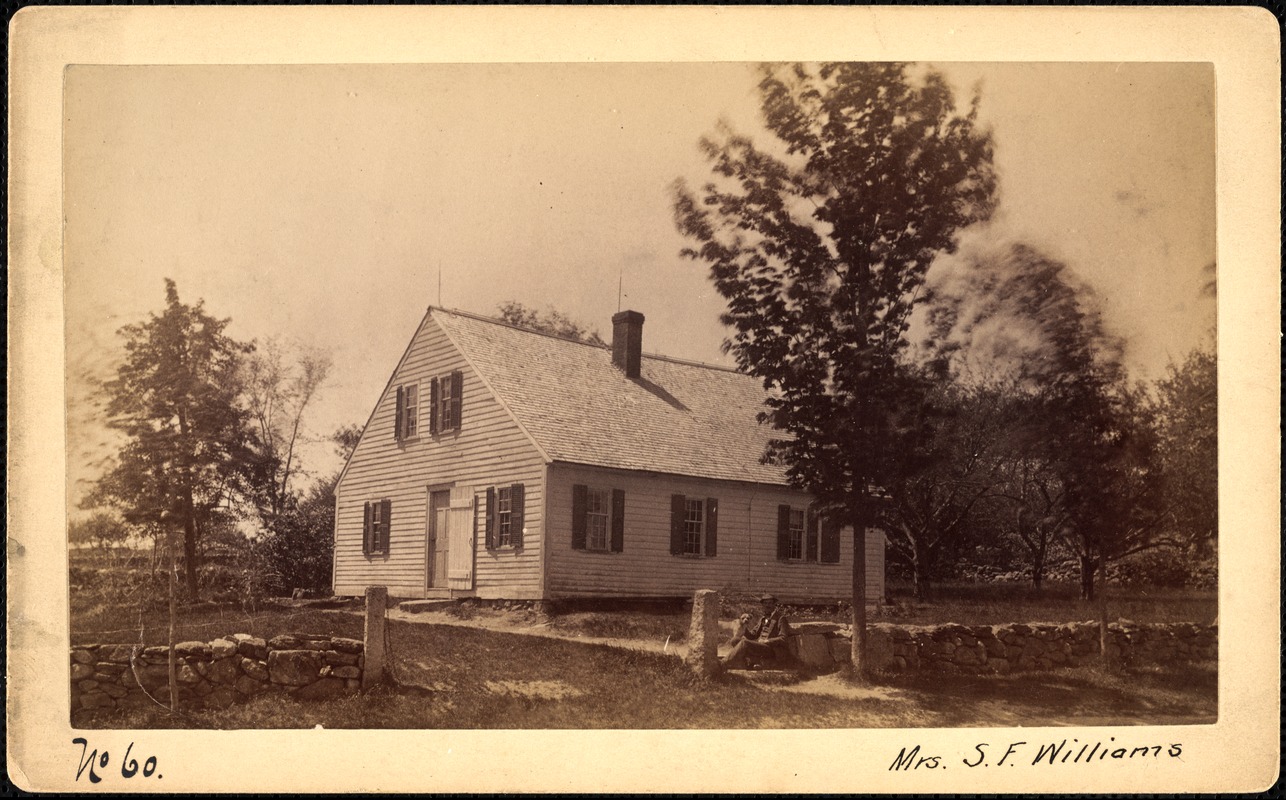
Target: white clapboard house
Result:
[509, 464]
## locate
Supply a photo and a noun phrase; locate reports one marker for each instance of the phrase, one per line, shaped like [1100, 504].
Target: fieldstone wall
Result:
[822, 646]
[216, 674]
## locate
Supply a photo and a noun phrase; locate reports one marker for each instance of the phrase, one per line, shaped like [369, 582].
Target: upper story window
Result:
[447, 392]
[694, 526]
[406, 423]
[598, 518]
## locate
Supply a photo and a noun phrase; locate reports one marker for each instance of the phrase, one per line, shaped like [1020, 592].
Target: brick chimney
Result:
[627, 342]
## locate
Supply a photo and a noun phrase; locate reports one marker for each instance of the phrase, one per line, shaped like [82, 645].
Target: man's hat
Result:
[767, 598]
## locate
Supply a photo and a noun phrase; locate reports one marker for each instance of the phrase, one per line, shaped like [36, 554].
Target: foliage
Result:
[298, 552]
[950, 463]
[820, 252]
[551, 321]
[1186, 413]
[280, 383]
[101, 529]
[175, 397]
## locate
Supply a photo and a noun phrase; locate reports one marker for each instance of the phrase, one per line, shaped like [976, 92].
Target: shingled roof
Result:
[678, 417]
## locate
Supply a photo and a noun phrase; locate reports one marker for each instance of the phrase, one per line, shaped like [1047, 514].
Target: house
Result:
[509, 464]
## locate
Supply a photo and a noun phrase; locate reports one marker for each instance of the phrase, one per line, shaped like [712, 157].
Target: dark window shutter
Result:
[580, 503]
[398, 414]
[491, 518]
[457, 396]
[386, 524]
[810, 538]
[830, 541]
[712, 526]
[366, 529]
[433, 407]
[516, 518]
[618, 520]
[783, 532]
[678, 510]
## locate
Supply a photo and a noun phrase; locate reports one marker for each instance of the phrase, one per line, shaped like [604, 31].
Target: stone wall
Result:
[215, 674]
[822, 646]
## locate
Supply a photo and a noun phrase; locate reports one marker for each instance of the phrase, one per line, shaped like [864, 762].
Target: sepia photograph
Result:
[774, 395]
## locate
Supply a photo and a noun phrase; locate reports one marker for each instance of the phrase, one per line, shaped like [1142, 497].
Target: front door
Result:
[439, 543]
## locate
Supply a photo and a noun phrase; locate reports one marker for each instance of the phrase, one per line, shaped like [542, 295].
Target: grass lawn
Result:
[463, 677]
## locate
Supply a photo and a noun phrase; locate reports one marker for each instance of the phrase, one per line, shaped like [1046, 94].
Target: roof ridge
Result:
[573, 340]
[503, 324]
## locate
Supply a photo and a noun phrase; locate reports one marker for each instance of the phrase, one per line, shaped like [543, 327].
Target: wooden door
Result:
[460, 526]
[439, 539]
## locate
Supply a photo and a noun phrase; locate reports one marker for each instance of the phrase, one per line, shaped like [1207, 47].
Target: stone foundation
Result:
[823, 646]
[215, 674]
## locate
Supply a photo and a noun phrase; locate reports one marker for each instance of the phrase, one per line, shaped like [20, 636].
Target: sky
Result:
[330, 205]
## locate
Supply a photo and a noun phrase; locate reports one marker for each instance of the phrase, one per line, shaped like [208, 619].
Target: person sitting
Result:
[754, 645]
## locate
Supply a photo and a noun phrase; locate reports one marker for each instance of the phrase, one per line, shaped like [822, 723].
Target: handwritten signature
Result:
[1065, 752]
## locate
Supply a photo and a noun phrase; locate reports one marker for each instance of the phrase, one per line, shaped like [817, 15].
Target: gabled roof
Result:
[678, 417]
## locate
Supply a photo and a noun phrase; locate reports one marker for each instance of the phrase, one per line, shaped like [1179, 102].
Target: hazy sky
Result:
[320, 203]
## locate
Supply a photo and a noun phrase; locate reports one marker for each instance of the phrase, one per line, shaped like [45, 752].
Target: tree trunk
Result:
[920, 577]
[1103, 637]
[1088, 566]
[1038, 572]
[189, 553]
[171, 662]
[859, 663]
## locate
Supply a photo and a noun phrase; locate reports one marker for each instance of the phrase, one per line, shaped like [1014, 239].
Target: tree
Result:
[948, 463]
[175, 399]
[1024, 323]
[298, 551]
[552, 321]
[101, 529]
[279, 386]
[1187, 415]
[820, 251]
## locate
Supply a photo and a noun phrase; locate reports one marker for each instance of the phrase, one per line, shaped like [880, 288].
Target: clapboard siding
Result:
[489, 450]
[746, 559]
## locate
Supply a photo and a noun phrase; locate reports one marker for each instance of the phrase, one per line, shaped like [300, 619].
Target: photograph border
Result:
[1239, 753]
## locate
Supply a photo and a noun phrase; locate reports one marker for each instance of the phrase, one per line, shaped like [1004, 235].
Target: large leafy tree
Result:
[819, 243]
[175, 398]
[1024, 323]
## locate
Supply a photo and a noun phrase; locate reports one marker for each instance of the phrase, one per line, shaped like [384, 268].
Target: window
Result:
[446, 395]
[694, 526]
[598, 512]
[505, 516]
[376, 525]
[796, 534]
[598, 519]
[406, 422]
[805, 536]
